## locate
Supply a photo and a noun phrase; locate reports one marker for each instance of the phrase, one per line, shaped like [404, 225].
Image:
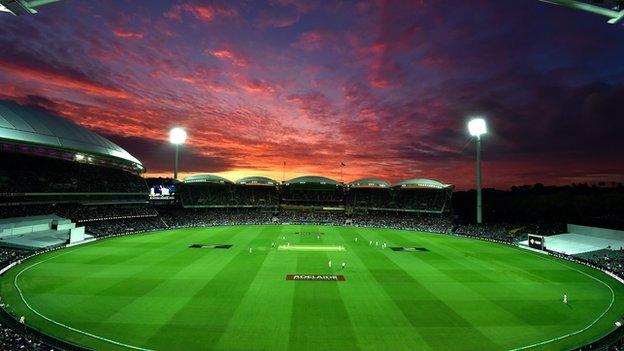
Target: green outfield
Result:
[154, 292]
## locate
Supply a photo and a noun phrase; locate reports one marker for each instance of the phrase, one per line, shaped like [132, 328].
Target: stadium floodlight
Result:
[177, 136]
[478, 127]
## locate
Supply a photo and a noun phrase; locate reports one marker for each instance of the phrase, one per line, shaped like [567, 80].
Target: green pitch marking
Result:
[327, 248]
[151, 292]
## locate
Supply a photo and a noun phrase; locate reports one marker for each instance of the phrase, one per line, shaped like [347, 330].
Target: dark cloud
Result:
[158, 155]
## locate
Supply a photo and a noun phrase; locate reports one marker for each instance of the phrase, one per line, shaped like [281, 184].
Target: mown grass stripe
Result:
[421, 308]
[64, 325]
[207, 313]
[319, 318]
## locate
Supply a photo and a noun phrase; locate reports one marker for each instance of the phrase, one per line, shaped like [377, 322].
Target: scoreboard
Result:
[536, 241]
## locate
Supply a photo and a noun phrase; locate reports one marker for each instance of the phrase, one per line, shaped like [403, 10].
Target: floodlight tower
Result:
[177, 136]
[478, 127]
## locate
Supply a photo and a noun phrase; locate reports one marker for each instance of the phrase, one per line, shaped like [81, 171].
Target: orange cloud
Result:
[62, 81]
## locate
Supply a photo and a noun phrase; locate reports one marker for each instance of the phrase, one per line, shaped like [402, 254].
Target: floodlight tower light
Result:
[476, 128]
[177, 136]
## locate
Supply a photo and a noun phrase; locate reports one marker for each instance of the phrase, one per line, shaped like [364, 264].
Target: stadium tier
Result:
[205, 190]
[316, 192]
[48, 159]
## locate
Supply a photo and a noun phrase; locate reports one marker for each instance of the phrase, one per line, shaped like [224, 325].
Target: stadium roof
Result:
[369, 183]
[312, 180]
[28, 125]
[206, 178]
[23, 7]
[257, 181]
[421, 183]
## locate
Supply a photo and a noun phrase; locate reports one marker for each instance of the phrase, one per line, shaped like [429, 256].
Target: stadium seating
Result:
[36, 174]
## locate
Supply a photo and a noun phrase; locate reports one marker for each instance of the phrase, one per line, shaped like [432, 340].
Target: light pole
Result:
[177, 136]
[478, 127]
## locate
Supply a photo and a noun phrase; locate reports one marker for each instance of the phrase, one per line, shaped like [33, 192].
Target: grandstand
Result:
[315, 191]
[423, 195]
[53, 160]
[369, 193]
[206, 191]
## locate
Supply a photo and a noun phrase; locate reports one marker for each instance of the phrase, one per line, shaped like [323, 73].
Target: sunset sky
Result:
[384, 86]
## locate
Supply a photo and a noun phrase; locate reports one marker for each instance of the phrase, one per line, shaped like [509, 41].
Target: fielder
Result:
[329, 263]
[565, 298]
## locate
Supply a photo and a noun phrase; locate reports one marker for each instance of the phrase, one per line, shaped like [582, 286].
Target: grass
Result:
[153, 291]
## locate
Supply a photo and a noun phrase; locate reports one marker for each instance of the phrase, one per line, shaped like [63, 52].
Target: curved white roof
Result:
[421, 182]
[207, 178]
[22, 124]
[312, 180]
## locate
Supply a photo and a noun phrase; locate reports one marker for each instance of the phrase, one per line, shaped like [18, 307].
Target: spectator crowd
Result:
[35, 174]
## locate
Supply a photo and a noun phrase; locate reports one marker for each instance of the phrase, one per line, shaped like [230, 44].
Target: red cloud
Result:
[230, 56]
[127, 34]
[253, 85]
[314, 104]
[59, 80]
[203, 12]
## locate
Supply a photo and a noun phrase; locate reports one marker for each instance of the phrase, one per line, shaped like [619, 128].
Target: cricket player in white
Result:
[329, 263]
[565, 298]
[344, 264]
